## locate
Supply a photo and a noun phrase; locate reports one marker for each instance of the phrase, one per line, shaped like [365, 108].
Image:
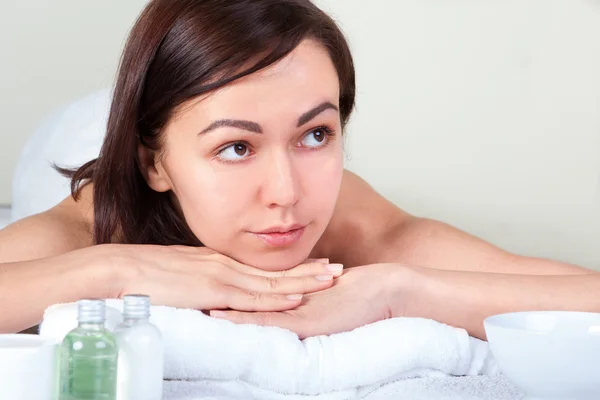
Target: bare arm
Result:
[464, 299]
[454, 277]
[35, 269]
[28, 287]
[366, 228]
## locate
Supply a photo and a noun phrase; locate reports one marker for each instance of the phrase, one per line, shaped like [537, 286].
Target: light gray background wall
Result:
[51, 52]
[484, 114]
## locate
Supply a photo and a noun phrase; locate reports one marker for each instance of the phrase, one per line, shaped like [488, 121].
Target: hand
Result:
[362, 295]
[200, 278]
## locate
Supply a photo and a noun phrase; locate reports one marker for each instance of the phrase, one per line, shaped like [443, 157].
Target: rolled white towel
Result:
[199, 347]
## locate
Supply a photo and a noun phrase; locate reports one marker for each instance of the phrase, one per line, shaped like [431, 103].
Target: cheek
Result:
[322, 182]
[213, 201]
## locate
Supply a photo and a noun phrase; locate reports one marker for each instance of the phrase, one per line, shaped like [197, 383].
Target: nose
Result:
[281, 183]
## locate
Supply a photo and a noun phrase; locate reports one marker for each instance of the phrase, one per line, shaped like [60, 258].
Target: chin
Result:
[280, 260]
[256, 254]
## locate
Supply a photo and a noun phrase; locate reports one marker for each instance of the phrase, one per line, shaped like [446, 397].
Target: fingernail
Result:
[218, 314]
[323, 260]
[294, 296]
[335, 267]
[324, 277]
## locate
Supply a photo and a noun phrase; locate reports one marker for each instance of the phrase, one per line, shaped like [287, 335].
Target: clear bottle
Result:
[88, 357]
[141, 352]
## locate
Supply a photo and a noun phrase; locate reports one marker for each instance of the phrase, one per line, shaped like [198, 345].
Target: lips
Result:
[282, 229]
[281, 236]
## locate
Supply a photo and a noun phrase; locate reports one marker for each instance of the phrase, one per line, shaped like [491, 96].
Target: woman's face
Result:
[256, 166]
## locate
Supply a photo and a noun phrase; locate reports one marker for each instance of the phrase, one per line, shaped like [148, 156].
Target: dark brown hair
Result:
[177, 50]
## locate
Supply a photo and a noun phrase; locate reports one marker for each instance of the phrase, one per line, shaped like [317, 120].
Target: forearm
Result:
[465, 299]
[27, 288]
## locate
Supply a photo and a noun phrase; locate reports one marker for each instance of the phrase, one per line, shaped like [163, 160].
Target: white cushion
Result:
[4, 216]
[69, 137]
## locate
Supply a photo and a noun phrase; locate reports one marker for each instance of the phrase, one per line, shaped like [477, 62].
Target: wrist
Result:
[445, 296]
[411, 292]
[103, 271]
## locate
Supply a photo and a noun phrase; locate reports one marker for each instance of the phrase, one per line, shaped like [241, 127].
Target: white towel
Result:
[199, 347]
[495, 387]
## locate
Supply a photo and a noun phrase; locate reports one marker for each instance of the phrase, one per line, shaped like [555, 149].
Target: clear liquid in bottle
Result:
[88, 357]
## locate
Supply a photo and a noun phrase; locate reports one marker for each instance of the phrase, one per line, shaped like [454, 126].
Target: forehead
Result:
[300, 81]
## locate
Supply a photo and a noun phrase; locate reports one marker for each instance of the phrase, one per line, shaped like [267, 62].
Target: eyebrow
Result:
[234, 123]
[256, 128]
[309, 115]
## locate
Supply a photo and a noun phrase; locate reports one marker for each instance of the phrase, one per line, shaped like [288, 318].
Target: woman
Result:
[225, 139]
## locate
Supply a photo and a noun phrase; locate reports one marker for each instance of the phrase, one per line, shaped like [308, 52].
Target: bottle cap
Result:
[91, 311]
[136, 306]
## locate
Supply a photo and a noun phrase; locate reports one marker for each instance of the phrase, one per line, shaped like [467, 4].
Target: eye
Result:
[234, 152]
[317, 137]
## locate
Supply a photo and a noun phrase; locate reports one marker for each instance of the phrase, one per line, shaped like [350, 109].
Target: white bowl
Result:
[548, 354]
[27, 367]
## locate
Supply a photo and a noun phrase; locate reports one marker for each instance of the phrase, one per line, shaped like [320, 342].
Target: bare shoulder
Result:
[362, 217]
[65, 227]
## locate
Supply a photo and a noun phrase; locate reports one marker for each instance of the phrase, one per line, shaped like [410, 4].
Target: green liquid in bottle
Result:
[88, 364]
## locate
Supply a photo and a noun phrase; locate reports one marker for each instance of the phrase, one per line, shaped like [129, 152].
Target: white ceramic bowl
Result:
[27, 367]
[548, 354]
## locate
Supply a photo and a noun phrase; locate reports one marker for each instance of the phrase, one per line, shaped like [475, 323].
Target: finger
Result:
[200, 250]
[315, 268]
[280, 319]
[319, 260]
[255, 301]
[277, 285]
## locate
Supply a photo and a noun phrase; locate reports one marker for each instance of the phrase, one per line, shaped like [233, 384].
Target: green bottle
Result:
[88, 357]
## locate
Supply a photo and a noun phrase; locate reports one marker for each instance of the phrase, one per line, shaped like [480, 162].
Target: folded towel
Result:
[495, 387]
[199, 347]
